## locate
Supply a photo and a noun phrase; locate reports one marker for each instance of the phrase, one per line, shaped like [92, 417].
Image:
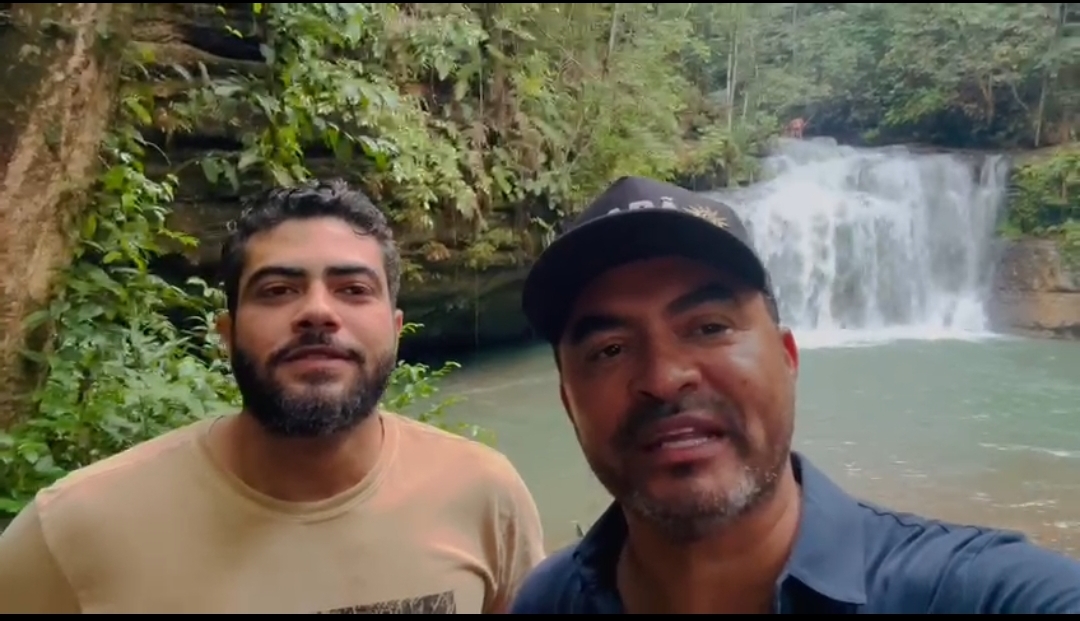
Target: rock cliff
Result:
[1036, 290]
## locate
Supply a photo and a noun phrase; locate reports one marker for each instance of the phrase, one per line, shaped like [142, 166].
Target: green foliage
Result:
[312, 92]
[1045, 200]
[413, 391]
[460, 112]
[988, 74]
[116, 370]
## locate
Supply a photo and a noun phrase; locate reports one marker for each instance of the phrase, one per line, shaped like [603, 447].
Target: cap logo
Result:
[666, 202]
[708, 215]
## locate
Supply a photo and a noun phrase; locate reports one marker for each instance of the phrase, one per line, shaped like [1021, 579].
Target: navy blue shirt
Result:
[850, 558]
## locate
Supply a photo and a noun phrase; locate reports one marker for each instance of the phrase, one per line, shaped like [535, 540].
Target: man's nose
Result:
[317, 311]
[666, 373]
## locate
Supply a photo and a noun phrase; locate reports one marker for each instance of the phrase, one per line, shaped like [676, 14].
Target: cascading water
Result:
[867, 245]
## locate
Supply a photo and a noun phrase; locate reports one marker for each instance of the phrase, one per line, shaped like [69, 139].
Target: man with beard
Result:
[310, 499]
[679, 382]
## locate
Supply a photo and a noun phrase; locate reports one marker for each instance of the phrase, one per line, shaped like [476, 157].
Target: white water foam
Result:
[871, 246]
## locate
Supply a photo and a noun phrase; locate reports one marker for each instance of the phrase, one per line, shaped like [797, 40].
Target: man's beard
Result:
[699, 510]
[309, 413]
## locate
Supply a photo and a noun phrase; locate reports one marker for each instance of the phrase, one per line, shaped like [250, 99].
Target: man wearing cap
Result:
[680, 383]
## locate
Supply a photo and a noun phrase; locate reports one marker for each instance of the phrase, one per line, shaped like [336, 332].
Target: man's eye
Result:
[275, 290]
[606, 352]
[611, 350]
[356, 290]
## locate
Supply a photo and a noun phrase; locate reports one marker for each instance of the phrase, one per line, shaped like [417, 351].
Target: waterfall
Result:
[865, 245]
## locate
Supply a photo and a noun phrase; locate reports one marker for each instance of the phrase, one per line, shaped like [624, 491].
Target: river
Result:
[882, 261]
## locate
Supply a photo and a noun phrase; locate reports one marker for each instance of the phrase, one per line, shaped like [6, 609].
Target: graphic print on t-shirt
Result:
[434, 604]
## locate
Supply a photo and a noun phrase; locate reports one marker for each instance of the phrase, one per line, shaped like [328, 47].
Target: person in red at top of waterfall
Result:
[795, 128]
[679, 380]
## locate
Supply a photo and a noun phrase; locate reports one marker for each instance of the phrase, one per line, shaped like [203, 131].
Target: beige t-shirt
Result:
[442, 525]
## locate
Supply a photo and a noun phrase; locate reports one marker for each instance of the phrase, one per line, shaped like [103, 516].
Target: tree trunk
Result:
[58, 65]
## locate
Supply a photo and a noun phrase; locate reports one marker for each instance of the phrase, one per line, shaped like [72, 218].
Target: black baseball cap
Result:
[635, 219]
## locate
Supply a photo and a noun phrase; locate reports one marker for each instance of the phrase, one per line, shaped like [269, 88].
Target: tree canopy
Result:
[471, 121]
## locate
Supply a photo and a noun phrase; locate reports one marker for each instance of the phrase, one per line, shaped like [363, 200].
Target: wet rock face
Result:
[467, 313]
[1036, 290]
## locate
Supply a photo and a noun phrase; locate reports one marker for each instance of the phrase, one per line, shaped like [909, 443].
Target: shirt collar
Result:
[828, 557]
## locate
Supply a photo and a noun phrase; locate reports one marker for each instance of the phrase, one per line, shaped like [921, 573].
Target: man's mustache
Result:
[316, 339]
[649, 412]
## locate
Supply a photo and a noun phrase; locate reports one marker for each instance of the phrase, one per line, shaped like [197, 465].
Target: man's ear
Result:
[791, 349]
[224, 326]
[399, 320]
